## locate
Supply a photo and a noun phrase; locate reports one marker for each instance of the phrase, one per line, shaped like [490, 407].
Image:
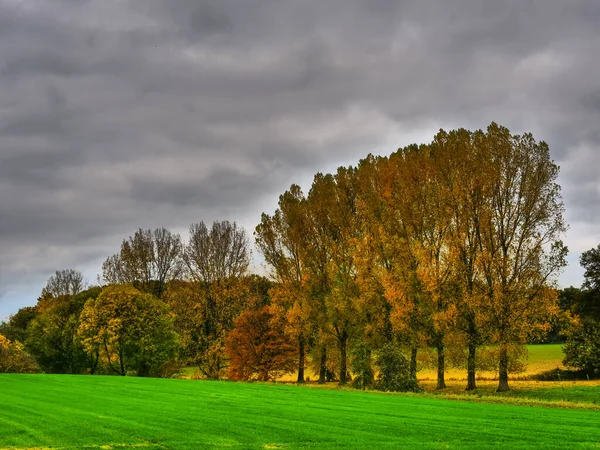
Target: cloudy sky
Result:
[118, 114]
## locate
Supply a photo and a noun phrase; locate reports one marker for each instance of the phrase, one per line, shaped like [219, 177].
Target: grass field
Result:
[61, 411]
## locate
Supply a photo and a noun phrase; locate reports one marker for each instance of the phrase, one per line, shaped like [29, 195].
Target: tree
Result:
[520, 239]
[52, 337]
[219, 254]
[281, 239]
[394, 370]
[340, 233]
[205, 313]
[588, 303]
[392, 266]
[217, 261]
[13, 358]
[416, 258]
[64, 282]
[16, 327]
[258, 347]
[133, 330]
[582, 349]
[361, 365]
[590, 261]
[462, 178]
[148, 260]
[428, 227]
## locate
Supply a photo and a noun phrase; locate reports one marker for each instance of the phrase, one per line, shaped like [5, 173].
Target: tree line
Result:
[452, 246]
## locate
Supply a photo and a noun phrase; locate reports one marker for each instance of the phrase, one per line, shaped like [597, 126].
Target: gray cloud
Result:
[118, 115]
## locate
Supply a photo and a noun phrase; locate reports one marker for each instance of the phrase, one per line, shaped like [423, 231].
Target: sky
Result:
[116, 115]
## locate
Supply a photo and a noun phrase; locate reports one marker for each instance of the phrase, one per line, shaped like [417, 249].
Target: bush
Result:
[582, 349]
[394, 371]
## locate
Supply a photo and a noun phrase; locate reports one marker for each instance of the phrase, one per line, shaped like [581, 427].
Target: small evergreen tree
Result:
[394, 371]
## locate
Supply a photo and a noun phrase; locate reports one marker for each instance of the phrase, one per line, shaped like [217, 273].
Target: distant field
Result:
[68, 412]
[542, 357]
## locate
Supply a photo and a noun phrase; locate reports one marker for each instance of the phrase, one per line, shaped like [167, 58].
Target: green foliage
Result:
[394, 370]
[590, 261]
[133, 331]
[52, 335]
[16, 327]
[582, 349]
[361, 365]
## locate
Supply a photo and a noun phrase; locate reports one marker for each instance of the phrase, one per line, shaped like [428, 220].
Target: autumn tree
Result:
[281, 239]
[203, 319]
[148, 260]
[14, 359]
[520, 239]
[392, 266]
[258, 347]
[425, 213]
[415, 267]
[65, 282]
[52, 335]
[133, 330]
[463, 183]
[217, 261]
[217, 254]
[338, 231]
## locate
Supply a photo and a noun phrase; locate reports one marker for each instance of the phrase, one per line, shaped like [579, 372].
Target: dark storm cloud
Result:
[119, 115]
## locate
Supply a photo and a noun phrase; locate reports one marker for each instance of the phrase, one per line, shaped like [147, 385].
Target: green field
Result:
[62, 411]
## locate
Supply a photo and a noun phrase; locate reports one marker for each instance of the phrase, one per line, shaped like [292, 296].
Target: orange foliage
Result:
[258, 347]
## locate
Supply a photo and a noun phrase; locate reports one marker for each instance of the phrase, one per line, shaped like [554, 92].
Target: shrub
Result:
[394, 371]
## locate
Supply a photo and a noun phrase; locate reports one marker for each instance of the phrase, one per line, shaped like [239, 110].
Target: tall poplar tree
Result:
[520, 238]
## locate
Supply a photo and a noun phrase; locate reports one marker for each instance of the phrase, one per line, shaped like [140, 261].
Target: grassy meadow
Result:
[68, 412]
[109, 412]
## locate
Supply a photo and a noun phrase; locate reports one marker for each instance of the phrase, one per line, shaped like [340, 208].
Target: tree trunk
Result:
[441, 383]
[343, 359]
[323, 366]
[503, 370]
[110, 364]
[471, 385]
[301, 360]
[413, 362]
[122, 362]
[94, 362]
